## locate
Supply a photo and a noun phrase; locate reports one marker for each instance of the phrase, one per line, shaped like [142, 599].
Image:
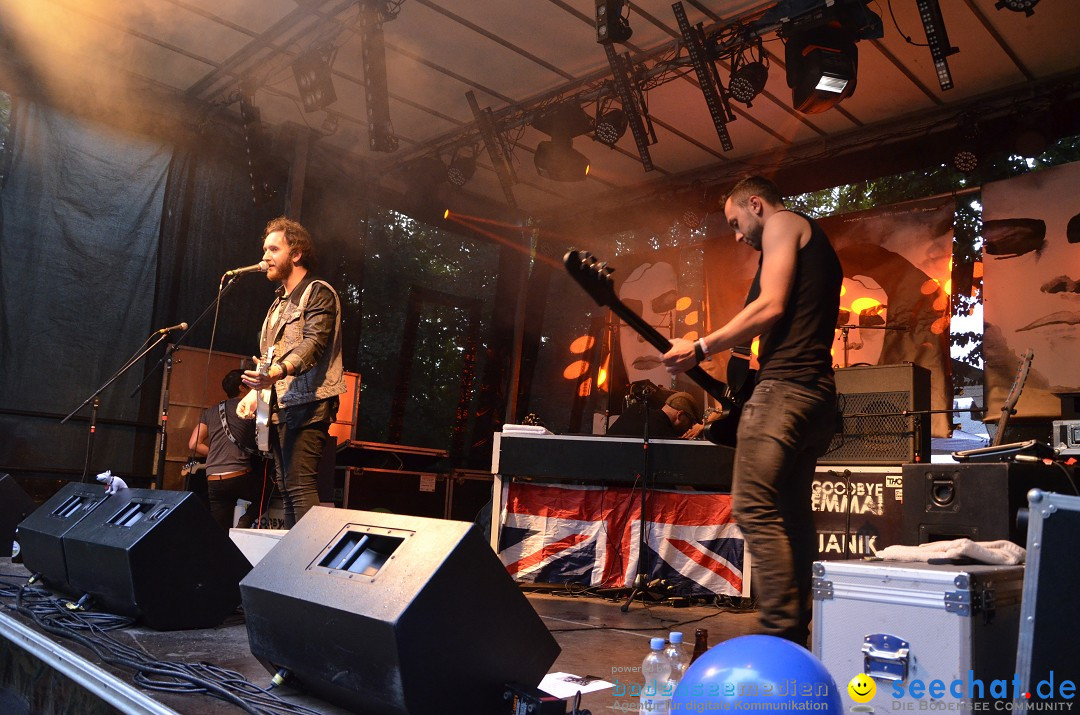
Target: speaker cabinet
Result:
[873, 428]
[978, 501]
[15, 505]
[41, 534]
[383, 613]
[1047, 653]
[158, 556]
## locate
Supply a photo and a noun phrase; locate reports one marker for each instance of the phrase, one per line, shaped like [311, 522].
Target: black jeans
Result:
[297, 452]
[223, 494]
[784, 428]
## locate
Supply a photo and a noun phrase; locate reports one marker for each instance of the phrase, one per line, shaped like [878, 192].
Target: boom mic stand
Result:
[167, 361]
[95, 398]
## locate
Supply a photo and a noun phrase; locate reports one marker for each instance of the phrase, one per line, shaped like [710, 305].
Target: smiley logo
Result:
[861, 688]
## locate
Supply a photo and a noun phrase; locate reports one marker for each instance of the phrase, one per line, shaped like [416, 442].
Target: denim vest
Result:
[321, 382]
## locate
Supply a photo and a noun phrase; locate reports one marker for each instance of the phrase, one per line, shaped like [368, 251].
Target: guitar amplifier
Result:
[873, 426]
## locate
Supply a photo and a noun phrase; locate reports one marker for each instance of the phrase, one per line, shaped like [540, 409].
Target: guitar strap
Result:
[228, 432]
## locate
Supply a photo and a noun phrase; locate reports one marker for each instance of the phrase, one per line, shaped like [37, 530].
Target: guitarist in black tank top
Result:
[790, 418]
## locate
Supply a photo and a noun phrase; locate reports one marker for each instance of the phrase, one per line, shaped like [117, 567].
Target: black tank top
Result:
[797, 346]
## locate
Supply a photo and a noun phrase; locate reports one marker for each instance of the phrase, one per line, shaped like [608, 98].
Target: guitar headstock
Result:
[592, 275]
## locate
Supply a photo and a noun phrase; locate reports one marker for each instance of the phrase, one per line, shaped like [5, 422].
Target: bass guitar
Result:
[262, 407]
[1009, 408]
[595, 278]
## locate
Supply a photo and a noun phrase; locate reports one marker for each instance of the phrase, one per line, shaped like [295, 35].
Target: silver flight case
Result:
[921, 632]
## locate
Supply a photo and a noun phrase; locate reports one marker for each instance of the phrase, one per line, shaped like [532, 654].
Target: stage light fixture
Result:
[612, 24]
[610, 126]
[822, 66]
[556, 159]
[559, 161]
[1025, 6]
[938, 40]
[462, 167]
[312, 73]
[748, 81]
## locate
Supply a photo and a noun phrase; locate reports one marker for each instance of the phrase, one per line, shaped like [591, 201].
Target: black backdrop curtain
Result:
[104, 237]
[79, 218]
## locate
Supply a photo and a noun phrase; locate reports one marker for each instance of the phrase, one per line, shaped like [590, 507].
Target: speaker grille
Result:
[873, 430]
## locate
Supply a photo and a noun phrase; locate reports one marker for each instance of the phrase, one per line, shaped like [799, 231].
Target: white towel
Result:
[986, 552]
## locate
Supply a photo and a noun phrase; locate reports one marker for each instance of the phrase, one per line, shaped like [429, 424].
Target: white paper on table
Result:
[567, 685]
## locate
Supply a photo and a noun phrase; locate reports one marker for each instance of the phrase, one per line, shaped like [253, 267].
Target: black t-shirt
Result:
[224, 456]
[798, 346]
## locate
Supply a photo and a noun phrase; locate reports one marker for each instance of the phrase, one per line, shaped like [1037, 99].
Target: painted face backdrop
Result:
[1031, 265]
[896, 262]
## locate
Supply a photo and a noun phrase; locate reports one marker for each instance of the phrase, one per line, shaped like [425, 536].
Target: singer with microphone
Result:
[305, 376]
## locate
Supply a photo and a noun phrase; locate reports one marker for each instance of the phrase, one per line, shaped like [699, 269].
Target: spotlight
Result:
[611, 24]
[610, 126]
[748, 81]
[462, 167]
[557, 160]
[821, 69]
[965, 160]
[1025, 6]
[312, 73]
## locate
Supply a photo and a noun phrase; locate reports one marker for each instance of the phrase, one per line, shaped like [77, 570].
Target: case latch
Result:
[885, 657]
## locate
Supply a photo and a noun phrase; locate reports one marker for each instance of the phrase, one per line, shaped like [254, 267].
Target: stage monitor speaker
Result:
[1046, 652]
[15, 505]
[873, 429]
[41, 534]
[978, 501]
[384, 613]
[158, 556]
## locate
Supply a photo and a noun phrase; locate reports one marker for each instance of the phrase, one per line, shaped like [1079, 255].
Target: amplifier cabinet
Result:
[873, 427]
[977, 501]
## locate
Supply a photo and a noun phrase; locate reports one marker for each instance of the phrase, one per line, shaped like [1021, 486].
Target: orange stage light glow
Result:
[585, 388]
[866, 306]
[683, 303]
[576, 369]
[691, 336]
[582, 344]
[691, 318]
[505, 241]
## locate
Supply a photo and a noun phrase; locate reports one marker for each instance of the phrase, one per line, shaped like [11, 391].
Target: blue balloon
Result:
[759, 673]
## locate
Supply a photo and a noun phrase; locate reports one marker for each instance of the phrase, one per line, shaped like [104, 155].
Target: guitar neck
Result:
[716, 389]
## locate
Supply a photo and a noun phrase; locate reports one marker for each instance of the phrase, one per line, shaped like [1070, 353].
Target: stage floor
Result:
[596, 637]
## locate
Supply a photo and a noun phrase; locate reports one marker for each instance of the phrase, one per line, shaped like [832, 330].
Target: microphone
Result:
[259, 267]
[178, 326]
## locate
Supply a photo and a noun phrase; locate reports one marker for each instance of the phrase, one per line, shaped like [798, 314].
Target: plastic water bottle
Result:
[655, 669]
[677, 656]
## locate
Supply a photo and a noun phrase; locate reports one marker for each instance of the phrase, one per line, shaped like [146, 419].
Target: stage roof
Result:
[517, 56]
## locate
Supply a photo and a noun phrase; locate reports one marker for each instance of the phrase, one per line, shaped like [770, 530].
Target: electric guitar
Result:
[262, 406]
[1009, 408]
[595, 278]
[191, 466]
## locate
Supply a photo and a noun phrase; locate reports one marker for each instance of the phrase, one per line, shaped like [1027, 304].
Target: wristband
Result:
[699, 352]
[703, 347]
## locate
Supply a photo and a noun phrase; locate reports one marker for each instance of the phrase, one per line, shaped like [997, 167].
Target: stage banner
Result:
[894, 306]
[588, 535]
[1031, 265]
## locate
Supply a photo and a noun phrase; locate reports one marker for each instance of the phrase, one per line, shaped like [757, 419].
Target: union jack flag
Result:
[589, 535]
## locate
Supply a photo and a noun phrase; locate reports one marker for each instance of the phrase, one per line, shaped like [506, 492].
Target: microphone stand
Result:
[167, 360]
[641, 580]
[95, 398]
